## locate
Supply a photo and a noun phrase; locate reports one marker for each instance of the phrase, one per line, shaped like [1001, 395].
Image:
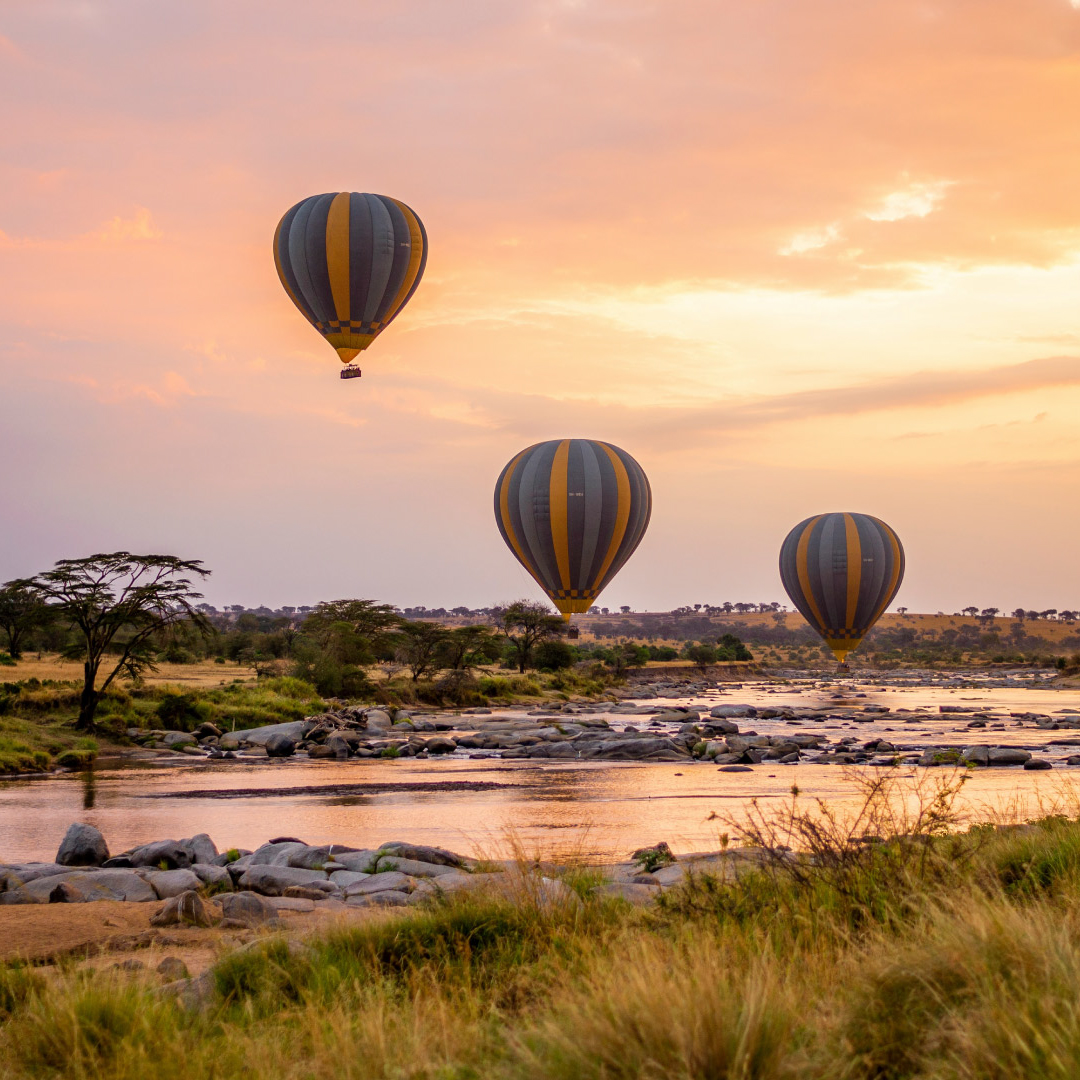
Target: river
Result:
[600, 810]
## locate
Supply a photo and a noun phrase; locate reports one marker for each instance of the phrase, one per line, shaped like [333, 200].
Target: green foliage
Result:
[508, 687]
[700, 654]
[76, 759]
[181, 710]
[525, 625]
[731, 647]
[18, 757]
[554, 655]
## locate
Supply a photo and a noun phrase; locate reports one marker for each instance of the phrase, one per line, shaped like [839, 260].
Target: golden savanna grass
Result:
[53, 666]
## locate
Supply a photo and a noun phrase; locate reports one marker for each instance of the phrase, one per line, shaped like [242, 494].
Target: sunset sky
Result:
[793, 255]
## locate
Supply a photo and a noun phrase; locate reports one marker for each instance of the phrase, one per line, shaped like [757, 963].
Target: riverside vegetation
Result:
[893, 943]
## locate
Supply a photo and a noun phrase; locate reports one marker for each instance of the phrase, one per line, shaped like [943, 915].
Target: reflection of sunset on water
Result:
[601, 810]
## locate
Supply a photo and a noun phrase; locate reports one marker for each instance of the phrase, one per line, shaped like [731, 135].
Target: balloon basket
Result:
[350, 372]
[573, 632]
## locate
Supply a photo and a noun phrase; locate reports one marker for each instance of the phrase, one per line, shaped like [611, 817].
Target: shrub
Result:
[181, 710]
[554, 655]
[17, 757]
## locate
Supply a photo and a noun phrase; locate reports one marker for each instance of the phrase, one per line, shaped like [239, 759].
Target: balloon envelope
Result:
[572, 511]
[841, 572]
[350, 262]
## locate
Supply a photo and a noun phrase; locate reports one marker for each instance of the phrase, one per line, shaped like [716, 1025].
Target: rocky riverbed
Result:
[725, 734]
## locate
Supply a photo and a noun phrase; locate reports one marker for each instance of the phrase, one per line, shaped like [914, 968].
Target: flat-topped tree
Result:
[359, 628]
[417, 645]
[525, 624]
[117, 604]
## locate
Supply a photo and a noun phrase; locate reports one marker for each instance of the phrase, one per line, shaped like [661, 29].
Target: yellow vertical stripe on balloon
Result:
[895, 545]
[281, 269]
[507, 521]
[337, 253]
[854, 568]
[557, 510]
[803, 567]
[622, 514]
[416, 253]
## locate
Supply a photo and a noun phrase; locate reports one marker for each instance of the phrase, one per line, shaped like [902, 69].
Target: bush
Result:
[181, 710]
[17, 757]
[554, 656]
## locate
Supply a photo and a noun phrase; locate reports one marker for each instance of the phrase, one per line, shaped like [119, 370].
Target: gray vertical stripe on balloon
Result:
[609, 507]
[419, 270]
[359, 255]
[832, 570]
[285, 261]
[322, 296]
[298, 254]
[399, 229]
[575, 511]
[382, 255]
[533, 516]
[874, 563]
[591, 524]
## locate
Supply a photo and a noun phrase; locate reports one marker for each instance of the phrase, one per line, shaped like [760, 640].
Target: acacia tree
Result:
[417, 645]
[117, 604]
[22, 609]
[525, 624]
[365, 624]
[467, 647]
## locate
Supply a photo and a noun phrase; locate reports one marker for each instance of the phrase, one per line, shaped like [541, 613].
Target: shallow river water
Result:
[601, 810]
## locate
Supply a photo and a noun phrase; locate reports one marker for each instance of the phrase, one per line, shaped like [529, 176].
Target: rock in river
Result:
[83, 845]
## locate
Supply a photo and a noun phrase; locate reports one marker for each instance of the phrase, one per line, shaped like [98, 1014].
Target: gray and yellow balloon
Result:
[572, 511]
[841, 572]
[350, 262]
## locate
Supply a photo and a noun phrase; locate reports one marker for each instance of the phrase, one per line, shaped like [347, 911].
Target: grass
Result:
[934, 953]
[37, 717]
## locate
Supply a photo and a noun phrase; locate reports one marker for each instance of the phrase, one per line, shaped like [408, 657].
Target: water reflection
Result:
[602, 810]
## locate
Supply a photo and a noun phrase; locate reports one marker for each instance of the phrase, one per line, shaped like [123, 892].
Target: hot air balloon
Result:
[841, 571]
[572, 511]
[350, 263]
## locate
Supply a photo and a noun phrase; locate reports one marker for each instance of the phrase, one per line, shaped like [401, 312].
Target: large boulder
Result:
[636, 749]
[185, 908]
[200, 848]
[414, 868]
[83, 845]
[1008, 755]
[247, 909]
[440, 744]
[168, 852]
[277, 854]
[377, 720]
[274, 880]
[80, 886]
[83, 890]
[167, 883]
[294, 729]
[391, 881]
[421, 853]
[217, 877]
[280, 745]
[361, 862]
